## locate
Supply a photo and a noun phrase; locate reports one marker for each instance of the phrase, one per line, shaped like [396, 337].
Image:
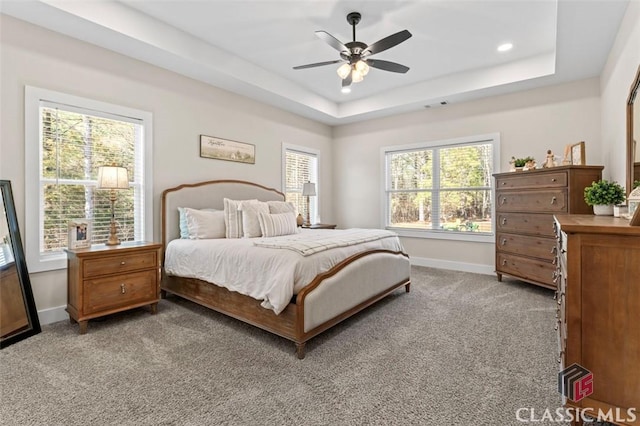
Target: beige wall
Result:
[182, 110]
[529, 123]
[615, 82]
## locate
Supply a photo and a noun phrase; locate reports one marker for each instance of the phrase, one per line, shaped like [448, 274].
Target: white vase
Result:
[603, 209]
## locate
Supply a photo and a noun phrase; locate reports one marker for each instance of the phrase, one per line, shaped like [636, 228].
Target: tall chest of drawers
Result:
[598, 313]
[525, 204]
[102, 280]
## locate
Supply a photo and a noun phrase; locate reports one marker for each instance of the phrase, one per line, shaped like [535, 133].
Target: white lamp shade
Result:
[309, 189]
[112, 177]
[344, 70]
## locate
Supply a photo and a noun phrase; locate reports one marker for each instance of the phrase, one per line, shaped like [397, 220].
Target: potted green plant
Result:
[519, 163]
[603, 195]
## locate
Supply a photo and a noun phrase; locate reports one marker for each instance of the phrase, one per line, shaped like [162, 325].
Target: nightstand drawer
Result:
[118, 291]
[119, 263]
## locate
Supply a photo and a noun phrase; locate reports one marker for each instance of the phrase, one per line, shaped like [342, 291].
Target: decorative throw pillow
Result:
[203, 224]
[250, 211]
[281, 207]
[274, 225]
[233, 218]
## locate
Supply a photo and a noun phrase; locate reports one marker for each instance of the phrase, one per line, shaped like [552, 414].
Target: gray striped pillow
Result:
[273, 225]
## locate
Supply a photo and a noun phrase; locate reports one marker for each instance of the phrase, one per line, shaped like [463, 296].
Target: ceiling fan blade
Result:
[387, 65]
[387, 42]
[332, 41]
[317, 64]
[347, 81]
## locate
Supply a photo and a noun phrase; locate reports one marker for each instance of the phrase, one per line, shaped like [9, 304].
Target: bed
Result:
[365, 275]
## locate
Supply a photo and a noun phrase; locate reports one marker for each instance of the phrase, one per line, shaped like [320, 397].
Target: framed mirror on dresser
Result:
[633, 134]
[18, 315]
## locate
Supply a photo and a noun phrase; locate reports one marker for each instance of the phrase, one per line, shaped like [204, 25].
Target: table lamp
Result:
[308, 190]
[113, 178]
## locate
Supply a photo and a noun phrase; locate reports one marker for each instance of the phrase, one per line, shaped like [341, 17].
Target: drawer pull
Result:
[560, 357]
[504, 221]
[503, 200]
[122, 288]
[554, 276]
[554, 249]
[556, 327]
[504, 262]
[123, 262]
[553, 200]
[503, 242]
[553, 179]
[504, 183]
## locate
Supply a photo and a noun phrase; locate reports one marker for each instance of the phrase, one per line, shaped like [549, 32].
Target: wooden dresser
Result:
[599, 310]
[525, 204]
[102, 280]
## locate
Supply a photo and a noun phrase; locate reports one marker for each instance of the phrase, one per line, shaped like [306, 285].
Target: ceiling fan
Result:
[356, 56]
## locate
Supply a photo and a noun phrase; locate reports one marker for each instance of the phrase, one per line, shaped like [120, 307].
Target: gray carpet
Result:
[460, 349]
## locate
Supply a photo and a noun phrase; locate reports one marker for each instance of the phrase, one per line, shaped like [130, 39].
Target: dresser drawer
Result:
[548, 180]
[118, 291]
[526, 268]
[544, 248]
[525, 223]
[552, 201]
[119, 263]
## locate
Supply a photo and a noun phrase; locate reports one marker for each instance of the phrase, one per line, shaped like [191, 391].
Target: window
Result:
[67, 139]
[442, 189]
[300, 166]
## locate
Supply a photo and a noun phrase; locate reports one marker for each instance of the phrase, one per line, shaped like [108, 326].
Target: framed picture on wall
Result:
[79, 231]
[224, 149]
[577, 154]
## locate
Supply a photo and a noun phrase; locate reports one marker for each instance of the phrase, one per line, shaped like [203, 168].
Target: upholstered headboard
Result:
[208, 194]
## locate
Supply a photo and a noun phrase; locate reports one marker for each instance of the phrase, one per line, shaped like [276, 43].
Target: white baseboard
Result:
[454, 266]
[51, 315]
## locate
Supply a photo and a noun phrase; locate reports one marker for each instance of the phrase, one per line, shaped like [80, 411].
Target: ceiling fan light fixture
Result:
[362, 67]
[505, 47]
[356, 76]
[346, 89]
[344, 70]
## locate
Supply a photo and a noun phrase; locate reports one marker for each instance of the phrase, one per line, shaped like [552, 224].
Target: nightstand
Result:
[320, 226]
[102, 280]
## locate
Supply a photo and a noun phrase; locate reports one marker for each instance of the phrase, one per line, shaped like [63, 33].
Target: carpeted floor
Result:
[460, 349]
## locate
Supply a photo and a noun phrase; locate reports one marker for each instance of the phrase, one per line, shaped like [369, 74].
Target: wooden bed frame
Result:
[350, 286]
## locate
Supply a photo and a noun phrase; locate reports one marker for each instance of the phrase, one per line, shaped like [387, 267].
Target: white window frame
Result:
[485, 237]
[34, 96]
[314, 202]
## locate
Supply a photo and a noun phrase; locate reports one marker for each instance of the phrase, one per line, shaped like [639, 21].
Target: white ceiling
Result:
[250, 47]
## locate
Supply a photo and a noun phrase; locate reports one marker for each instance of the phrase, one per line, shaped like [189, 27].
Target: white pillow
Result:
[273, 225]
[203, 224]
[250, 211]
[281, 207]
[184, 231]
[233, 218]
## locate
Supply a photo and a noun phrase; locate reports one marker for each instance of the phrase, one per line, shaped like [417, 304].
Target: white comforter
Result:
[271, 275]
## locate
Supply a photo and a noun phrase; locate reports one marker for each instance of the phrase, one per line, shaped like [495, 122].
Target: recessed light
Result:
[504, 47]
[346, 89]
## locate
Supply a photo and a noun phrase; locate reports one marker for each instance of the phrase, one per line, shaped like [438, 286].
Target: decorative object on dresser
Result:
[113, 178]
[308, 190]
[603, 195]
[526, 202]
[599, 311]
[633, 201]
[102, 280]
[550, 160]
[518, 164]
[578, 157]
[79, 234]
